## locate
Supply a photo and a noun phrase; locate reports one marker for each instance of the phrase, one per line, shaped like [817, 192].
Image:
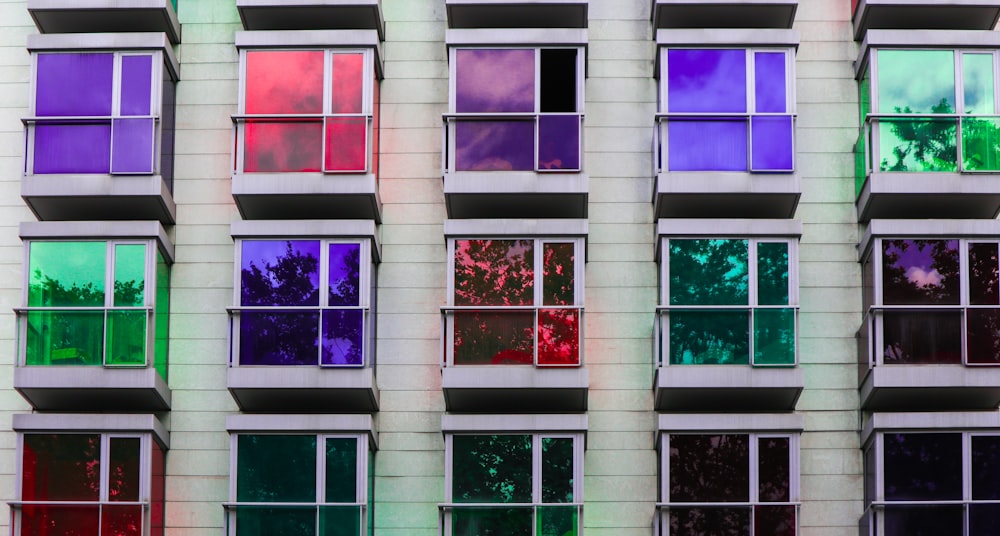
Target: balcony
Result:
[92, 16]
[924, 15]
[724, 13]
[312, 15]
[517, 14]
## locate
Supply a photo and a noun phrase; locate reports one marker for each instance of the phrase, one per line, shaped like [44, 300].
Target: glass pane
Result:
[495, 146]
[922, 338]
[137, 84]
[706, 337]
[120, 520]
[340, 521]
[483, 521]
[67, 274]
[707, 145]
[559, 142]
[126, 338]
[346, 139]
[279, 338]
[770, 82]
[161, 316]
[376, 125]
[558, 521]
[772, 143]
[59, 520]
[61, 467]
[492, 469]
[72, 148]
[74, 84]
[983, 336]
[558, 272]
[984, 274]
[276, 521]
[495, 80]
[494, 272]
[558, 80]
[341, 469]
[558, 337]
[920, 272]
[710, 468]
[983, 519]
[557, 470]
[985, 468]
[774, 455]
[280, 272]
[774, 337]
[65, 338]
[977, 81]
[284, 82]
[772, 273]
[901, 91]
[870, 475]
[276, 468]
[343, 333]
[348, 84]
[917, 145]
[283, 146]
[981, 144]
[923, 467]
[130, 275]
[774, 520]
[344, 272]
[709, 80]
[923, 520]
[709, 272]
[157, 490]
[709, 521]
[132, 146]
[494, 338]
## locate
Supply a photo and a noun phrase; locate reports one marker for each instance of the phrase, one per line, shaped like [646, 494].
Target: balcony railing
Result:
[533, 142]
[759, 336]
[539, 336]
[284, 143]
[297, 518]
[80, 517]
[468, 519]
[938, 517]
[757, 519]
[334, 337]
[922, 335]
[755, 143]
[93, 144]
[86, 336]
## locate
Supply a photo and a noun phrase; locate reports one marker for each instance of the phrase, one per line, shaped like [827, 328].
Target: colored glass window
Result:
[306, 111]
[302, 302]
[518, 109]
[516, 302]
[727, 110]
[730, 301]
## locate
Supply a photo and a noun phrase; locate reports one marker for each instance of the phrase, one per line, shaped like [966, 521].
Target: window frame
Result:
[538, 244]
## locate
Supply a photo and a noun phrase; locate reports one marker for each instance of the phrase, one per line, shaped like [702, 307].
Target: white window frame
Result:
[538, 247]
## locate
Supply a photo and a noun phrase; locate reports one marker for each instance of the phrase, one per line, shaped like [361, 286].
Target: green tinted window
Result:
[774, 337]
[64, 338]
[977, 79]
[276, 468]
[916, 81]
[557, 470]
[772, 273]
[66, 274]
[162, 310]
[709, 272]
[492, 469]
[130, 275]
[341, 469]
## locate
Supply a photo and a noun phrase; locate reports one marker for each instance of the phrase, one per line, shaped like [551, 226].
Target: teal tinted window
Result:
[709, 272]
[492, 469]
[916, 81]
[276, 468]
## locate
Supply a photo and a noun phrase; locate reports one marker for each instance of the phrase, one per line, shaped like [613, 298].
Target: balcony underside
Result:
[82, 388]
[925, 15]
[274, 389]
[312, 15]
[514, 389]
[520, 14]
[515, 195]
[307, 196]
[92, 16]
[726, 195]
[99, 197]
[929, 195]
[930, 387]
[724, 13]
[727, 388]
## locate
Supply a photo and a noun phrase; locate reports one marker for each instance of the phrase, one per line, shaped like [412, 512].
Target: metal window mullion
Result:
[319, 493]
[324, 292]
[874, 126]
[754, 470]
[751, 107]
[327, 109]
[964, 299]
[538, 105]
[538, 294]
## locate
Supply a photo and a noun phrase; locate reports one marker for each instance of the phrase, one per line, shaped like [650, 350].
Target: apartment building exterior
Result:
[491, 267]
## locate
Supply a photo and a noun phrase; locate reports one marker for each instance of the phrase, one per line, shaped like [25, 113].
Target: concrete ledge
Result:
[936, 420]
[724, 13]
[520, 14]
[303, 389]
[926, 387]
[312, 15]
[319, 424]
[727, 388]
[84, 422]
[514, 388]
[86, 388]
[513, 423]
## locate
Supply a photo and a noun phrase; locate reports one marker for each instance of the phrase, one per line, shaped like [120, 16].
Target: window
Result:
[935, 301]
[942, 120]
[101, 112]
[513, 484]
[932, 483]
[726, 109]
[728, 301]
[302, 302]
[90, 484]
[307, 110]
[515, 109]
[300, 485]
[100, 303]
[515, 302]
[729, 483]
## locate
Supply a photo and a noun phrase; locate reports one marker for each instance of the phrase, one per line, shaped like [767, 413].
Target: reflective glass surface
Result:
[78, 84]
[126, 338]
[981, 144]
[909, 144]
[59, 520]
[772, 143]
[708, 80]
[137, 84]
[276, 468]
[770, 82]
[709, 272]
[345, 144]
[772, 273]
[341, 469]
[123, 473]
[902, 90]
[280, 272]
[559, 142]
[923, 467]
[709, 521]
[344, 274]
[557, 469]
[478, 521]
[69, 274]
[978, 83]
[707, 144]
[283, 146]
[343, 332]
[346, 90]
[926, 337]
[492, 469]
[984, 274]
[920, 272]
[557, 279]
[83, 147]
[774, 473]
[494, 272]
[924, 520]
[132, 143]
[61, 467]
[774, 520]
[985, 466]
[494, 338]
[496, 145]
[558, 337]
[495, 80]
[709, 337]
[709, 468]
[284, 82]
[280, 338]
[774, 337]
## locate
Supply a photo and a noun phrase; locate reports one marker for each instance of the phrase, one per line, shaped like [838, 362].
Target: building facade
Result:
[485, 267]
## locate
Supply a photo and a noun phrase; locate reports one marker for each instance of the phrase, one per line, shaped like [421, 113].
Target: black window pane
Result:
[341, 469]
[923, 467]
[710, 521]
[269, 521]
[491, 469]
[558, 91]
[983, 336]
[984, 519]
[983, 274]
[922, 338]
[920, 272]
[773, 475]
[709, 468]
[923, 521]
[774, 520]
[276, 468]
[557, 470]
[986, 468]
[491, 522]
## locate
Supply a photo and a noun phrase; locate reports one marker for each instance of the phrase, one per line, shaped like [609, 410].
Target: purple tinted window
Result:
[986, 468]
[707, 145]
[923, 520]
[343, 330]
[74, 84]
[280, 272]
[772, 143]
[559, 142]
[923, 467]
[495, 146]
[132, 146]
[706, 80]
[344, 273]
[137, 77]
[72, 148]
[495, 80]
[770, 83]
[983, 274]
[279, 337]
[918, 272]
